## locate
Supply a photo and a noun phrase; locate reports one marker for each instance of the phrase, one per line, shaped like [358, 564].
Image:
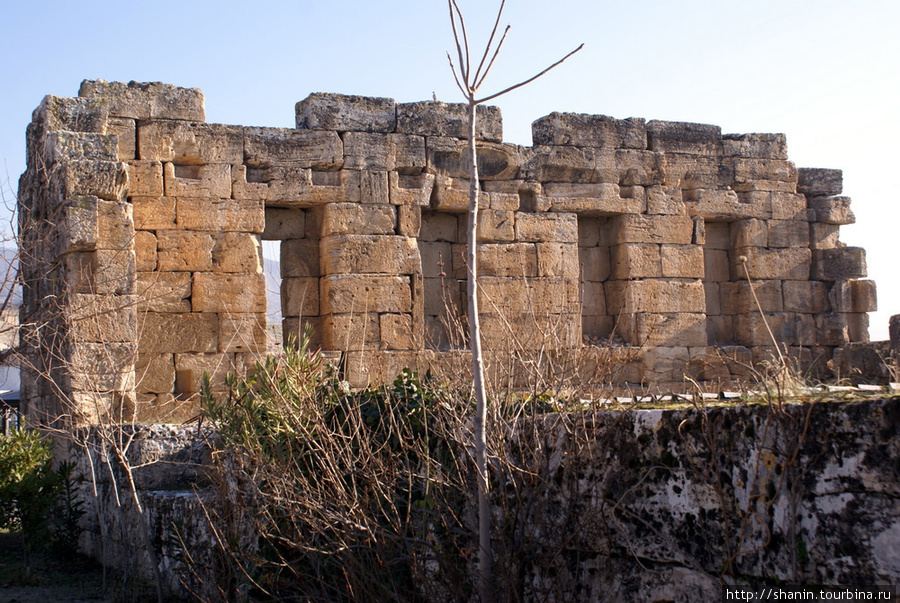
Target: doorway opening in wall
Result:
[271, 251]
[597, 326]
[717, 260]
[442, 245]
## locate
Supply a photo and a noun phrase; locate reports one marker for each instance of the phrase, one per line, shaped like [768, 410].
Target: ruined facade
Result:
[628, 243]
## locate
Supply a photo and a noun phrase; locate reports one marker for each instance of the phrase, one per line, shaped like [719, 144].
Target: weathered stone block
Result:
[448, 119]
[125, 131]
[101, 318]
[145, 179]
[237, 252]
[164, 291]
[354, 218]
[593, 299]
[749, 233]
[667, 200]
[70, 146]
[788, 233]
[452, 195]
[299, 257]
[353, 293]
[592, 199]
[397, 332]
[817, 182]
[85, 177]
[153, 213]
[682, 137]
[682, 261]
[635, 260]
[270, 147]
[225, 292]
[853, 296]
[190, 143]
[184, 250]
[345, 113]
[155, 373]
[713, 298]
[190, 369]
[81, 228]
[806, 297]
[832, 329]
[144, 250]
[351, 332]
[382, 254]
[760, 146]
[652, 229]
[721, 204]
[57, 113]
[788, 329]
[718, 235]
[300, 297]
[839, 263]
[100, 367]
[569, 164]
[493, 225]
[115, 225]
[547, 227]
[505, 259]
[374, 187]
[752, 170]
[197, 180]
[150, 100]
[178, 333]
[655, 295]
[409, 220]
[737, 298]
[679, 329]
[436, 258]
[450, 157]
[824, 236]
[791, 264]
[557, 260]
[858, 327]
[216, 215]
[581, 130]
[282, 224]
[832, 210]
[784, 205]
[106, 271]
[410, 190]
[716, 265]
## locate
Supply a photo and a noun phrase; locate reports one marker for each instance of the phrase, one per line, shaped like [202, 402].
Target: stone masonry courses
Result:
[626, 251]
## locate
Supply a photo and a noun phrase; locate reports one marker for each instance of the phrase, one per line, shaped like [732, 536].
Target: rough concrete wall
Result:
[604, 232]
[647, 505]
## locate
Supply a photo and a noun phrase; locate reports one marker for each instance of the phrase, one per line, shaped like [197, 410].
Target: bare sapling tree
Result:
[469, 83]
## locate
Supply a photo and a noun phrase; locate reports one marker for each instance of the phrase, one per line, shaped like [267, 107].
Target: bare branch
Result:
[529, 80]
[493, 58]
[463, 61]
[462, 88]
[487, 47]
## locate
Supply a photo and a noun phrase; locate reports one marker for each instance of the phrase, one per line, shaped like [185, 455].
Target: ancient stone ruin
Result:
[628, 245]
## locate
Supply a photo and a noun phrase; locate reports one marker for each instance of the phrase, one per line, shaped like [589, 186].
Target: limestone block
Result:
[101, 367]
[444, 296]
[440, 226]
[713, 298]
[354, 293]
[190, 143]
[832, 329]
[144, 250]
[164, 291]
[792, 264]
[858, 327]
[824, 236]
[819, 182]
[785, 205]
[59, 147]
[678, 329]
[547, 227]
[580, 130]
[353, 218]
[268, 147]
[178, 333]
[373, 187]
[839, 263]
[591, 199]
[145, 179]
[557, 260]
[593, 299]
[56, 113]
[300, 296]
[184, 250]
[115, 225]
[239, 333]
[554, 296]
[237, 252]
[724, 204]
[656, 296]
[382, 254]
[690, 172]
[806, 297]
[190, 369]
[759, 146]
[452, 195]
[750, 170]
[351, 332]
[81, 228]
[595, 263]
[682, 261]
[634, 228]
[716, 265]
[853, 296]
[788, 233]
[503, 201]
[666, 200]
[436, 258]
[749, 233]
[832, 210]
[569, 164]
[450, 157]
[590, 229]
[107, 271]
[752, 330]
[197, 180]
[153, 213]
[779, 186]
[493, 225]
[345, 113]
[504, 333]
[154, 373]
[635, 260]
[397, 332]
[226, 292]
[503, 259]
[299, 257]
[409, 220]
[448, 119]
[101, 318]
[410, 190]
[737, 297]
[638, 168]
[85, 177]
[293, 328]
[282, 224]
[125, 131]
[228, 215]
[699, 235]
[152, 100]
[682, 137]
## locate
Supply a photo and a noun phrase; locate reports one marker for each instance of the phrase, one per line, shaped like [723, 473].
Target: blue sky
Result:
[824, 72]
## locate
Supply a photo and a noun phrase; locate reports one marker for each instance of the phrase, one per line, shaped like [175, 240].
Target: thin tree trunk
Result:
[484, 507]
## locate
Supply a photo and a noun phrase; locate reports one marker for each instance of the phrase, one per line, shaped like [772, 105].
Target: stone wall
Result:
[141, 231]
